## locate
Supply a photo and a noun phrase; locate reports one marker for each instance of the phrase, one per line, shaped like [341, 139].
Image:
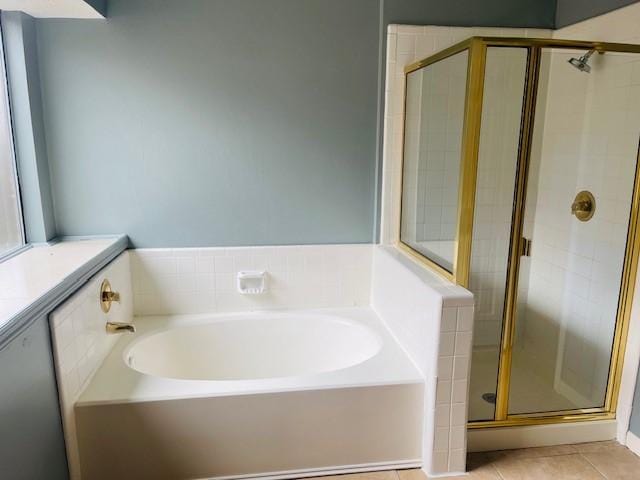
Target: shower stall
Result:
[520, 183]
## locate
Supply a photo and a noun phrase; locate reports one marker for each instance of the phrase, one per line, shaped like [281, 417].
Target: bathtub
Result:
[253, 347]
[270, 395]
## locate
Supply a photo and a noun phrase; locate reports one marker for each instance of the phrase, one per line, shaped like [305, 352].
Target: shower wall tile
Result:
[587, 140]
[433, 321]
[80, 342]
[202, 280]
[407, 44]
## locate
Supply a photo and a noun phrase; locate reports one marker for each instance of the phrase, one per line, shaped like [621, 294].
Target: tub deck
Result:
[114, 382]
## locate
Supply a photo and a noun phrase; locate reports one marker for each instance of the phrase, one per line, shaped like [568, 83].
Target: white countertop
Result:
[32, 275]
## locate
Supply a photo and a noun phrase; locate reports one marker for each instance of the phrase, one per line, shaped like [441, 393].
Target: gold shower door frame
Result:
[477, 51]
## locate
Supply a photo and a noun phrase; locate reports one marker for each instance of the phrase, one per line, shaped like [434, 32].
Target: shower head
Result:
[582, 63]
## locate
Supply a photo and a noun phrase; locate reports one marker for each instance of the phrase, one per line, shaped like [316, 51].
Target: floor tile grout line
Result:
[594, 467]
[495, 469]
[498, 475]
[570, 454]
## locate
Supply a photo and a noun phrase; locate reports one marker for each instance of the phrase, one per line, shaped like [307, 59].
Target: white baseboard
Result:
[445, 475]
[328, 471]
[633, 443]
[487, 439]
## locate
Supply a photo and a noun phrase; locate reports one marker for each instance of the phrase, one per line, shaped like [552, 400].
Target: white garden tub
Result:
[254, 347]
[278, 395]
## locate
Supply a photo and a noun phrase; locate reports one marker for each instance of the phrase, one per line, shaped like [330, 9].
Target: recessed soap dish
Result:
[252, 283]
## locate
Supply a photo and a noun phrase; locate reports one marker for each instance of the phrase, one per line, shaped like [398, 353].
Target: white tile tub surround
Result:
[413, 303]
[80, 343]
[203, 280]
[433, 320]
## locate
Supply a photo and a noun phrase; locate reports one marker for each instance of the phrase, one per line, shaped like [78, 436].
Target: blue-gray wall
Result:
[214, 122]
[99, 5]
[573, 11]
[492, 13]
[635, 413]
[31, 439]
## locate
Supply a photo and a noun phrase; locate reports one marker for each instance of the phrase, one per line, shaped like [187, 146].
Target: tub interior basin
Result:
[253, 348]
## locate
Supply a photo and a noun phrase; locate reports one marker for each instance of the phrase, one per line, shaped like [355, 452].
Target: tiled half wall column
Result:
[433, 321]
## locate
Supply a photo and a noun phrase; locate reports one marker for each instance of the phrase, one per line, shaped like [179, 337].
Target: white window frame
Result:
[3, 72]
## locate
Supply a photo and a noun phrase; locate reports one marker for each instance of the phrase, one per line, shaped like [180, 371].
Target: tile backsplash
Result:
[200, 280]
[80, 342]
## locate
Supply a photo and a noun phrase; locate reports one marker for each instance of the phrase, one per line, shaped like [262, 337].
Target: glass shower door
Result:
[502, 110]
[579, 193]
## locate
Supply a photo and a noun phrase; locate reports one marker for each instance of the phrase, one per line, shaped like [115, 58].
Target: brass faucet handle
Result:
[107, 296]
[110, 296]
[583, 206]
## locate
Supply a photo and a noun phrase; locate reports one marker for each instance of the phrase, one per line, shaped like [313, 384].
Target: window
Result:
[11, 228]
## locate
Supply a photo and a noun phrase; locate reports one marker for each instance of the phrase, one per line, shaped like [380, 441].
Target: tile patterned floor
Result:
[584, 461]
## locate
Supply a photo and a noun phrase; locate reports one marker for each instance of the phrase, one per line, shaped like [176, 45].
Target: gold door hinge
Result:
[525, 247]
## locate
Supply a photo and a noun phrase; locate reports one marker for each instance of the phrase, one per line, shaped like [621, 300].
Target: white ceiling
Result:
[51, 8]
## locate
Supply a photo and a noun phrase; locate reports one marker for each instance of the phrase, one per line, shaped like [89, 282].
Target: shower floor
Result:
[530, 391]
